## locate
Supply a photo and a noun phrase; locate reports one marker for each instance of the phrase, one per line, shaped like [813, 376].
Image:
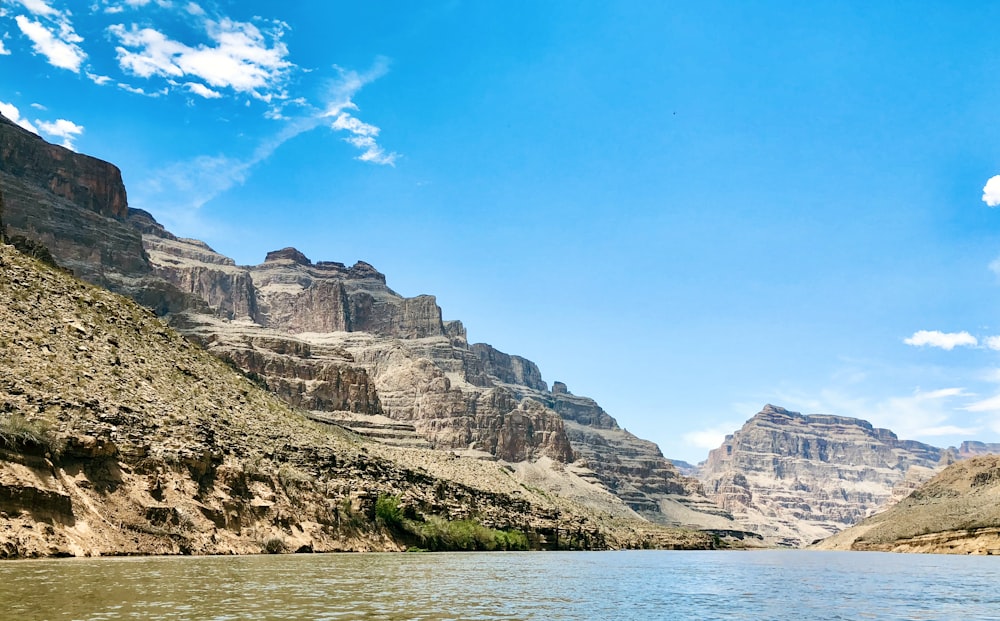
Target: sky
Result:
[683, 210]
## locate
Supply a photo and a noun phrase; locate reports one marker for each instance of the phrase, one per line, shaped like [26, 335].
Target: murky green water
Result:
[596, 585]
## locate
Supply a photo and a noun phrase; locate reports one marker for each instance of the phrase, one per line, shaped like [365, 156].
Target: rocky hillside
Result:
[119, 436]
[956, 512]
[335, 339]
[796, 479]
[315, 323]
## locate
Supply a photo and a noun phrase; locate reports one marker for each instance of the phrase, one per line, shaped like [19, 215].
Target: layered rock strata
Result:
[331, 338]
[455, 395]
[796, 479]
[957, 512]
[118, 436]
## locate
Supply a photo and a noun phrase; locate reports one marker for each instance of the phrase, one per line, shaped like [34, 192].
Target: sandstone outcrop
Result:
[796, 479]
[956, 512]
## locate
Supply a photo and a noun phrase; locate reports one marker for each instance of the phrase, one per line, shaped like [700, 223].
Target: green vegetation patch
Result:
[437, 534]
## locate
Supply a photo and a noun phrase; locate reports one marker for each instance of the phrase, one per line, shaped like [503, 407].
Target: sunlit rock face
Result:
[796, 478]
[333, 338]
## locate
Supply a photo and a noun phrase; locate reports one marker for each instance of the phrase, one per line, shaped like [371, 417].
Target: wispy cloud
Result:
[991, 191]
[204, 56]
[39, 7]
[202, 91]
[942, 340]
[3, 50]
[340, 106]
[990, 409]
[68, 131]
[184, 187]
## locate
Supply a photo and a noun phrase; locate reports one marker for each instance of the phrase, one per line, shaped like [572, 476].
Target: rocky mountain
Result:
[956, 512]
[796, 479]
[337, 340]
[119, 436]
[304, 317]
[973, 449]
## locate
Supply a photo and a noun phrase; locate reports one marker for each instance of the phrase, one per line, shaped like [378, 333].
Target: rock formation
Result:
[974, 449]
[956, 512]
[796, 479]
[75, 205]
[457, 396]
[335, 339]
[119, 436]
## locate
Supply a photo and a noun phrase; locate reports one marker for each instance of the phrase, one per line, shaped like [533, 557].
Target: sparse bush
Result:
[275, 545]
[19, 433]
[349, 516]
[293, 479]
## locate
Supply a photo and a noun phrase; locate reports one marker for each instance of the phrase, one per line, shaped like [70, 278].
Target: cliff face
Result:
[335, 339]
[956, 512]
[72, 203]
[85, 181]
[796, 478]
[455, 395]
[118, 436]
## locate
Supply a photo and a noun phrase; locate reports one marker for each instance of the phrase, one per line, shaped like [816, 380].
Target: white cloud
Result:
[992, 342]
[241, 57]
[710, 437]
[57, 42]
[3, 50]
[68, 131]
[943, 340]
[112, 7]
[202, 90]
[38, 7]
[11, 112]
[340, 100]
[991, 191]
[991, 404]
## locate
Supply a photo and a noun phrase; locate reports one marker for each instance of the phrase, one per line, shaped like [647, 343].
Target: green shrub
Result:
[388, 512]
[437, 534]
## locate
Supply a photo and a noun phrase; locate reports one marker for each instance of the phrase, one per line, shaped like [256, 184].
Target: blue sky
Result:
[683, 210]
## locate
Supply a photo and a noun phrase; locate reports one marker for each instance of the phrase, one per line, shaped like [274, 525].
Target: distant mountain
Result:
[338, 342]
[795, 479]
[956, 512]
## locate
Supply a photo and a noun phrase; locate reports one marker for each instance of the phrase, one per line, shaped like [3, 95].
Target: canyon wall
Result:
[796, 479]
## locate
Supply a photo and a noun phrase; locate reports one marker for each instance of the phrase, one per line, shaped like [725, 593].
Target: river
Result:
[779, 585]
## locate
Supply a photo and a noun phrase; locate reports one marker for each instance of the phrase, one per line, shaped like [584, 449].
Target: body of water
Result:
[781, 585]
